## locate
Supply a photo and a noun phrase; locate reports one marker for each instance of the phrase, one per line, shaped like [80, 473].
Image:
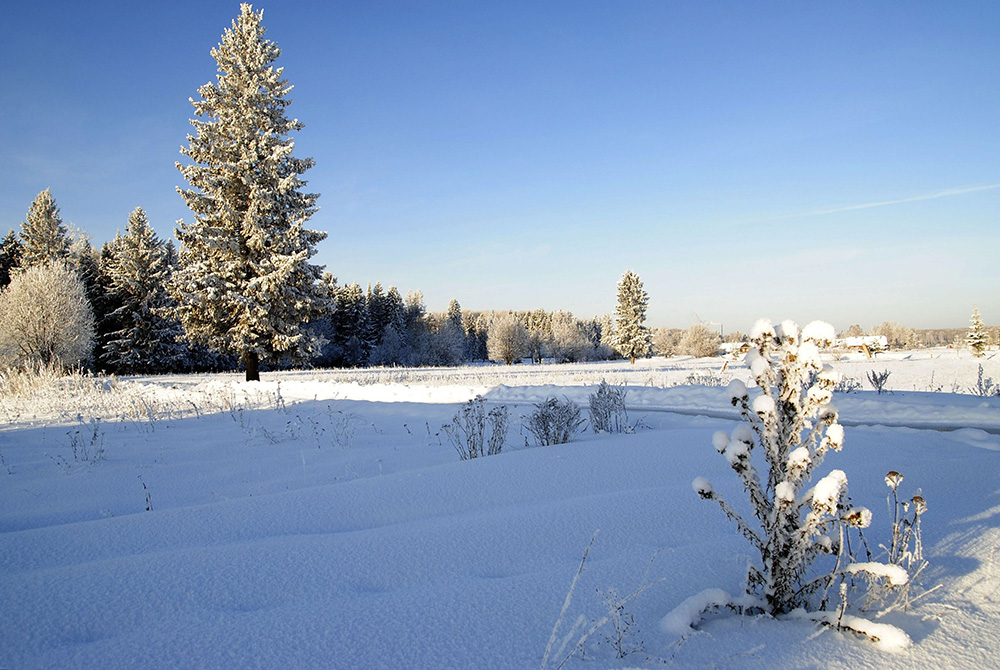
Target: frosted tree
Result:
[145, 336]
[570, 341]
[45, 317]
[631, 338]
[539, 325]
[699, 341]
[897, 335]
[666, 341]
[978, 339]
[792, 425]
[44, 237]
[245, 284]
[507, 339]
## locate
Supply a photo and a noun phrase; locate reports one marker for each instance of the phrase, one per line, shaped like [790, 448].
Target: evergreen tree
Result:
[978, 338]
[107, 303]
[450, 340]
[147, 337]
[395, 310]
[43, 235]
[418, 336]
[11, 252]
[378, 314]
[476, 326]
[631, 337]
[245, 284]
[350, 323]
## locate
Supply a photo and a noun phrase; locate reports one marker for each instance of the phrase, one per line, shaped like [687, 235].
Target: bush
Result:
[554, 421]
[607, 409]
[45, 318]
[467, 431]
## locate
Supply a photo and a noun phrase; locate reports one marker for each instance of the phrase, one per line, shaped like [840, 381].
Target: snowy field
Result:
[321, 519]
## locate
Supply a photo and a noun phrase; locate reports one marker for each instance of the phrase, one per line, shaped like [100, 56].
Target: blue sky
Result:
[791, 160]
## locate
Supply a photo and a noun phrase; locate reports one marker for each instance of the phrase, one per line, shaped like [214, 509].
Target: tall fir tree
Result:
[147, 337]
[451, 336]
[631, 338]
[978, 339]
[245, 284]
[44, 237]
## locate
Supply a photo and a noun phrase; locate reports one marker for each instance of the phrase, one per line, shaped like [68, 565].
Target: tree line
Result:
[115, 310]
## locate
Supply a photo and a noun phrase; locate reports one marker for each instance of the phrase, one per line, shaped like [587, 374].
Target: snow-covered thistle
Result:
[467, 430]
[554, 421]
[906, 547]
[793, 423]
[607, 410]
[878, 380]
[985, 386]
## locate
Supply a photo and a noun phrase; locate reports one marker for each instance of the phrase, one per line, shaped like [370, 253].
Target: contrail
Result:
[883, 203]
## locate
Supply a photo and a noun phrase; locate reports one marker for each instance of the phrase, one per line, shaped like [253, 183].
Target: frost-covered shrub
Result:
[792, 424]
[554, 421]
[468, 433]
[607, 409]
[45, 318]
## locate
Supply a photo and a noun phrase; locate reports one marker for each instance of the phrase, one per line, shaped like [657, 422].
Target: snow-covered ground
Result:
[322, 519]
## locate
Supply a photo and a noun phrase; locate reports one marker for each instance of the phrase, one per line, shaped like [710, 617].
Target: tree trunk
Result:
[253, 366]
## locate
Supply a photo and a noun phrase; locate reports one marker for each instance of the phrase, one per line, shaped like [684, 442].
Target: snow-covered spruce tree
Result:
[631, 338]
[977, 339]
[44, 237]
[349, 320]
[245, 284]
[146, 337]
[793, 425]
[45, 318]
[450, 337]
[11, 251]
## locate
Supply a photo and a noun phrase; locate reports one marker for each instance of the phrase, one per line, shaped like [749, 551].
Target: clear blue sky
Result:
[833, 160]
